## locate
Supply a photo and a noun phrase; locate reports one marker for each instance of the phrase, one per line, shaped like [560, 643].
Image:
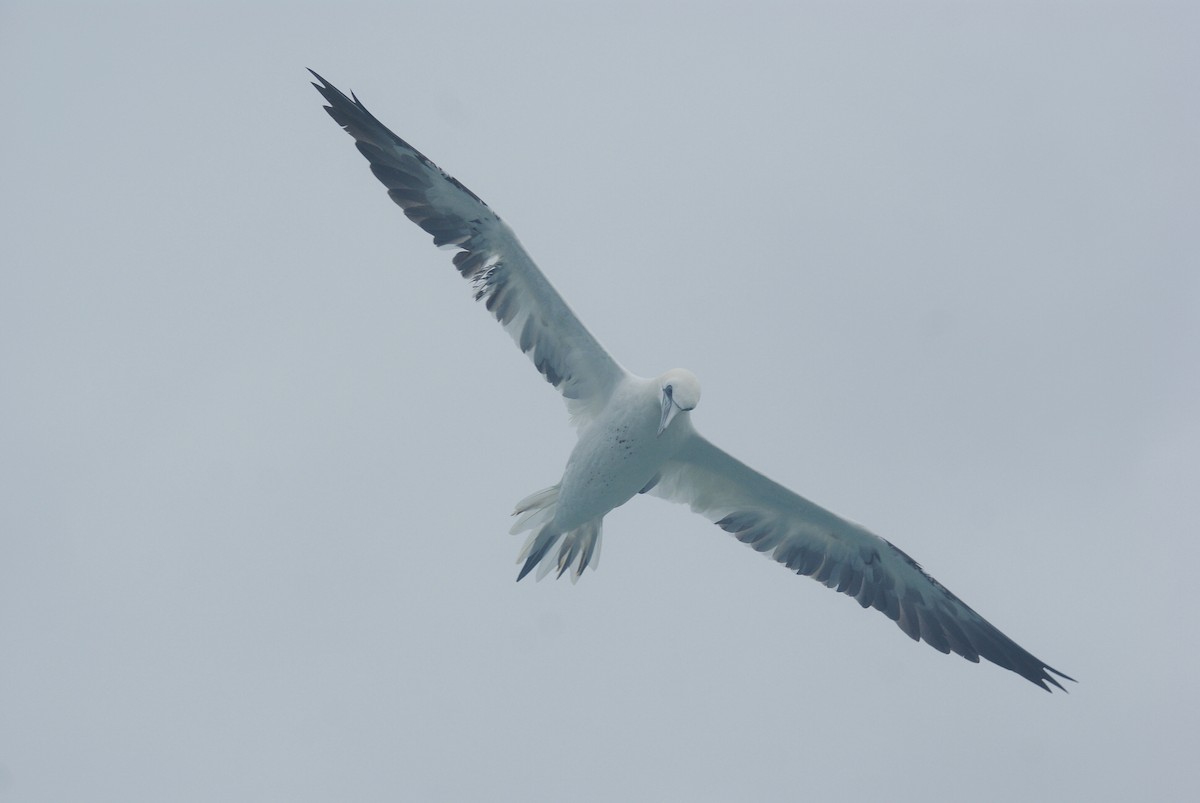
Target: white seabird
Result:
[636, 434]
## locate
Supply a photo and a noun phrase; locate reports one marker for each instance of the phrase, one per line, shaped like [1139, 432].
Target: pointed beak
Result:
[669, 409]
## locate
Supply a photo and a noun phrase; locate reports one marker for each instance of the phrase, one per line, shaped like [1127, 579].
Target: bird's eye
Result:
[668, 390]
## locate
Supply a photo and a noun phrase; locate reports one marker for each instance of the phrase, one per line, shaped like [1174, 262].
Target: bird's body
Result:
[616, 455]
[621, 452]
[636, 434]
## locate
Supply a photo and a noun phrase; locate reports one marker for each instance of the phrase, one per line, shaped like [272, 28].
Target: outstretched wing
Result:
[810, 540]
[500, 271]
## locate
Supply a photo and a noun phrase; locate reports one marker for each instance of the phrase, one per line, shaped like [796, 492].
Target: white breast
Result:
[617, 455]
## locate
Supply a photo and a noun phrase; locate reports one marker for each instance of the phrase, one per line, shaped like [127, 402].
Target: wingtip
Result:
[1045, 679]
[1062, 675]
[337, 98]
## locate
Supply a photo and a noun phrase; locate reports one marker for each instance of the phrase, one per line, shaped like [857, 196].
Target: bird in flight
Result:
[636, 434]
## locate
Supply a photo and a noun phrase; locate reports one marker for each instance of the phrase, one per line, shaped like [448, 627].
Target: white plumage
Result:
[636, 434]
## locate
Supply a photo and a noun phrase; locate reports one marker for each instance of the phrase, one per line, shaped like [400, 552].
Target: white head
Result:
[680, 393]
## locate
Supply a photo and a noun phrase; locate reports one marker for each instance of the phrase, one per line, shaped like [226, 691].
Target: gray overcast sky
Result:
[935, 265]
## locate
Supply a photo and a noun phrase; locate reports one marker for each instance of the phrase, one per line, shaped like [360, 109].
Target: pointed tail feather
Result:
[535, 549]
[535, 510]
[580, 546]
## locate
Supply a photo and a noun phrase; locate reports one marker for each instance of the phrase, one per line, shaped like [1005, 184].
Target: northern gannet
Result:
[636, 434]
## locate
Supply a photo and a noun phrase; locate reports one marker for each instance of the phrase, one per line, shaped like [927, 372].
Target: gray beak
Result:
[669, 409]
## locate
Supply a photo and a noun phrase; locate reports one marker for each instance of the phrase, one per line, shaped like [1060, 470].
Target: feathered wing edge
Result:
[812, 541]
[501, 273]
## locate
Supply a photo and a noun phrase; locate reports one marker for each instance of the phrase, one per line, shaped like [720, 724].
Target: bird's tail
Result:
[580, 546]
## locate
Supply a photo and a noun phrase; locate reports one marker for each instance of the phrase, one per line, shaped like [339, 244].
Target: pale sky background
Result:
[935, 264]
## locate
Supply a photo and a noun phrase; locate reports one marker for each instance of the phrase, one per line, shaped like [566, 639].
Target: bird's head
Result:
[680, 393]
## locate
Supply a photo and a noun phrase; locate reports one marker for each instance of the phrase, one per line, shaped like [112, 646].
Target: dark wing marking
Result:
[500, 271]
[810, 540]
